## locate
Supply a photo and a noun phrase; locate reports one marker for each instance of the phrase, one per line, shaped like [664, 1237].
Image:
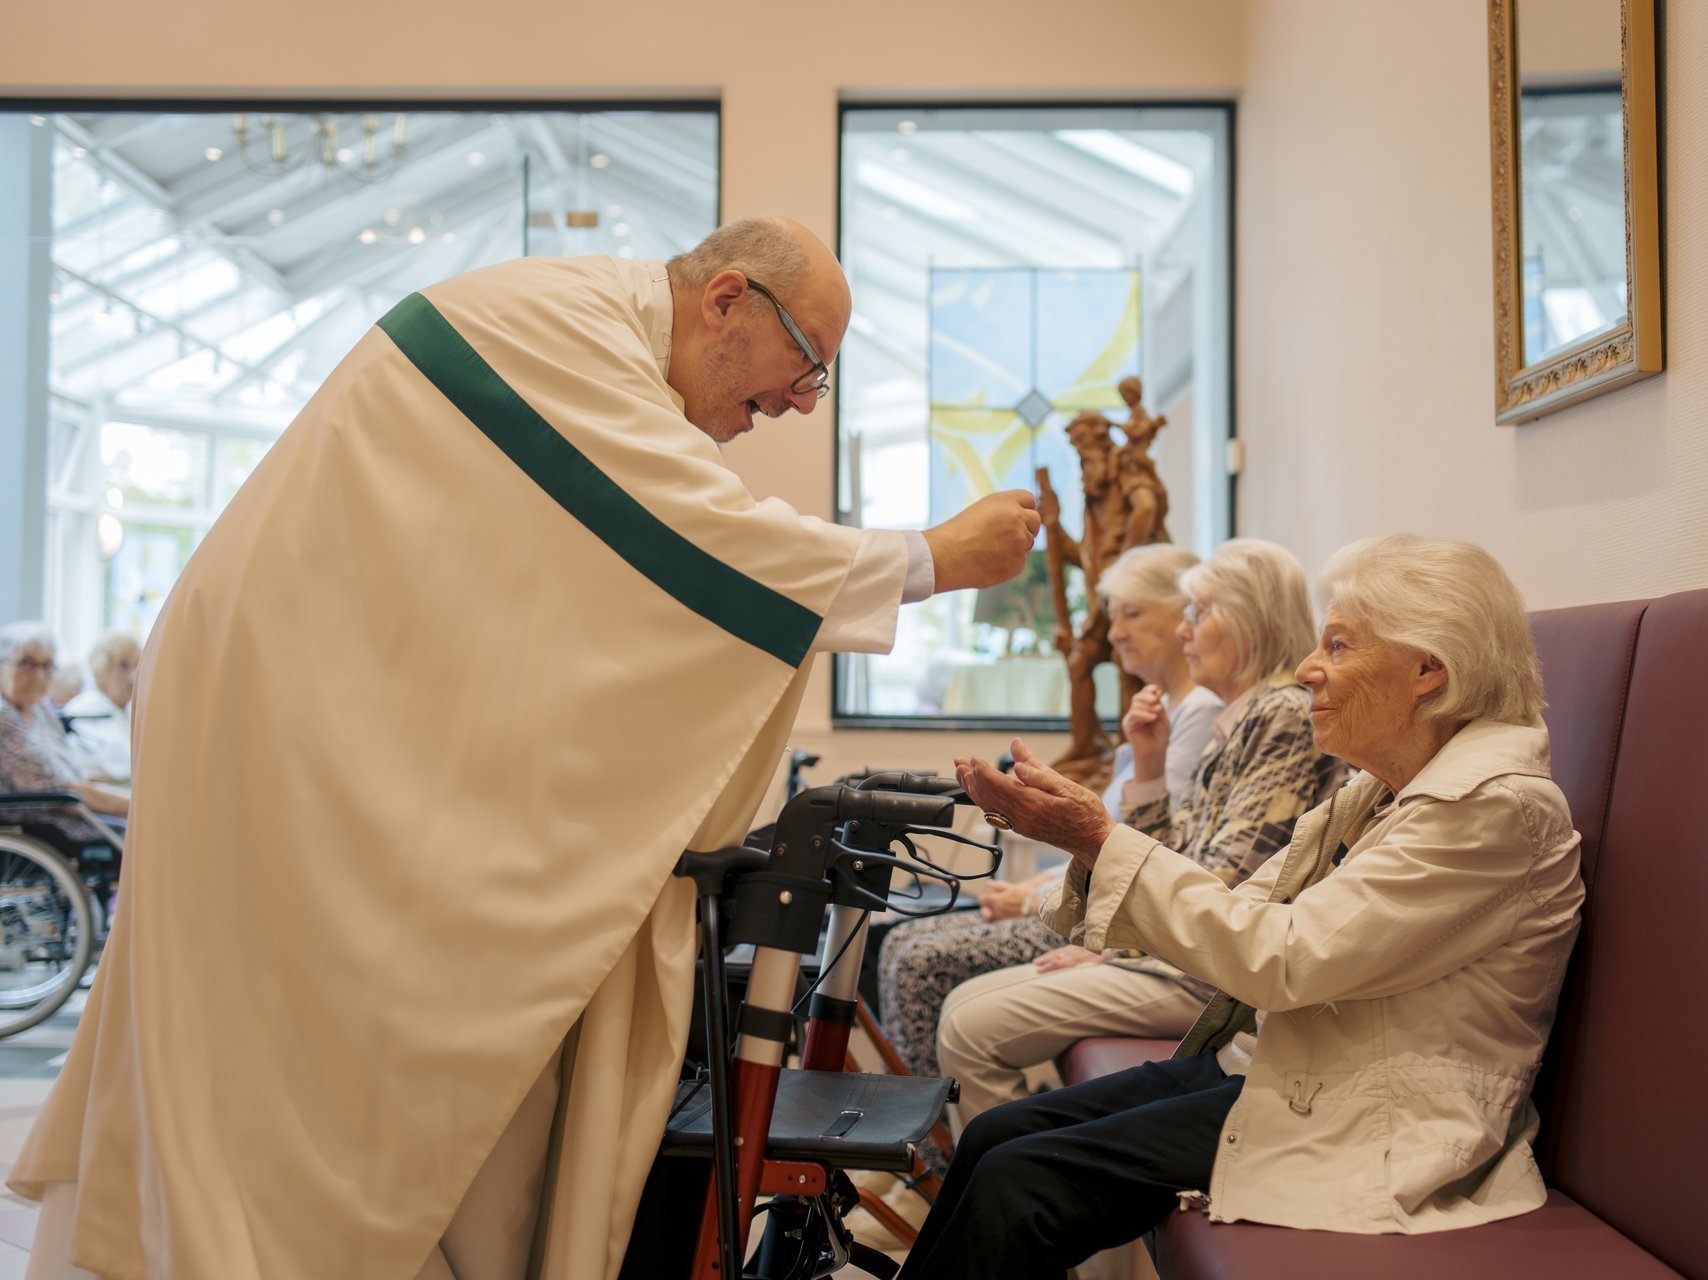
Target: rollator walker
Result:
[783, 1133]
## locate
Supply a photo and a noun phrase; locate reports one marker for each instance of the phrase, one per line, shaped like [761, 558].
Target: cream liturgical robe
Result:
[489, 638]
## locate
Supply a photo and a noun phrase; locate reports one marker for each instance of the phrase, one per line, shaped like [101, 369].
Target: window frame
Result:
[41, 544]
[1228, 109]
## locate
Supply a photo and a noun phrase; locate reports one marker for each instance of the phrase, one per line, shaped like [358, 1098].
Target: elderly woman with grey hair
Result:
[922, 961]
[100, 717]
[35, 753]
[1246, 624]
[1387, 985]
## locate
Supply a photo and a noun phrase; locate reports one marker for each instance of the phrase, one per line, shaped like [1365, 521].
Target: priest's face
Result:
[757, 364]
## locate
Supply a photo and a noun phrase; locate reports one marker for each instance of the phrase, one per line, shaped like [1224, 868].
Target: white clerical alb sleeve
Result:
[921, 569]
[890, 569]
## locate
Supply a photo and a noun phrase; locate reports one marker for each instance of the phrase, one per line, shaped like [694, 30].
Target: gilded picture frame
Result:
[1632, 349]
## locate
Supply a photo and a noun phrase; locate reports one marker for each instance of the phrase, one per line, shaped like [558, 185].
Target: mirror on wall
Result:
[1577, 254]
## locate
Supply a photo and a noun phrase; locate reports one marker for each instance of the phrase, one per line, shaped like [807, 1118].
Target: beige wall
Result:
[1365, 320]
[1569, 40]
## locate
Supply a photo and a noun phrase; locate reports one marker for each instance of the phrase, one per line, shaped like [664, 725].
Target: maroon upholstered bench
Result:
[1105, 1055]
[1560, 1241]
[1620, 1145]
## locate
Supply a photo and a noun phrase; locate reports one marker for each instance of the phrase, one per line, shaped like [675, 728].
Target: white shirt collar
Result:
[660, 319]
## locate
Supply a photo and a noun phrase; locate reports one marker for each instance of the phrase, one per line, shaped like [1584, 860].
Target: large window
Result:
[1010, 267]
[209, 269]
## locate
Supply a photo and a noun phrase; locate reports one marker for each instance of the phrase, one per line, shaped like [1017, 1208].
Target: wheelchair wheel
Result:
[47, 931]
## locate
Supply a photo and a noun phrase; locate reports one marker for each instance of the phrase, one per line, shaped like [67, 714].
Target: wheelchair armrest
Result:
[18, 804]
[14, 798]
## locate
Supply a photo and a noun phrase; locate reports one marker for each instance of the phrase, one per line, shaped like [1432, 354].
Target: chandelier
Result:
[369, 154]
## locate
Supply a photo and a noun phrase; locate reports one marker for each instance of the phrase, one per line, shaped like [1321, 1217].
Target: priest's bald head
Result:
[760, 307]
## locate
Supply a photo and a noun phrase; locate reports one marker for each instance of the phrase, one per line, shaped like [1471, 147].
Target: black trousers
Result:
[1038, 1186]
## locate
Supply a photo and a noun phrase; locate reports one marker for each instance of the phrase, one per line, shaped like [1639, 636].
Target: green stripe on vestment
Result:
[726, 597]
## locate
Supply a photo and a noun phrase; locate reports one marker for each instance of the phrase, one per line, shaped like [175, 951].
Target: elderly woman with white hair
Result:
[35, 753]
[1246, 624]
[100, 717]
[921, 961]
[1386, 987]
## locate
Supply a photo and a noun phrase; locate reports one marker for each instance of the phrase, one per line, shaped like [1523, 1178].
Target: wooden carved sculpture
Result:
[1125, 505]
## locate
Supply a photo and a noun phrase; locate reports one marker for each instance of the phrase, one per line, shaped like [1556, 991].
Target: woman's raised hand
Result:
[1146, 726]
[1038, 802]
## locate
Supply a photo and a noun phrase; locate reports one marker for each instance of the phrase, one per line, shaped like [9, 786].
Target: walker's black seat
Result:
[840, 1118]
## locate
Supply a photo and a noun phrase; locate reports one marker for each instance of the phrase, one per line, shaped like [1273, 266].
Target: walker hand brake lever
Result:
[852, 872]
[904, 835]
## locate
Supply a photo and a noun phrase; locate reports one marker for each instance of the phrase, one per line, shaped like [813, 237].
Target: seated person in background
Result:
[35, 753]
[1247, 626]
[922, 961]
[100, 717]
[1408, 951]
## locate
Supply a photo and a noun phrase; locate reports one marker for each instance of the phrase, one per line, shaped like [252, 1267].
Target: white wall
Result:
[1365, 327]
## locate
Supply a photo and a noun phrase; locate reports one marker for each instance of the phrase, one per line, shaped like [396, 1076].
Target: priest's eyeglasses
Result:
[815, 378]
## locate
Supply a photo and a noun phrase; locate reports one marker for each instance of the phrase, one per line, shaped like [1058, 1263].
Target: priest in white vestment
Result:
[400, 980]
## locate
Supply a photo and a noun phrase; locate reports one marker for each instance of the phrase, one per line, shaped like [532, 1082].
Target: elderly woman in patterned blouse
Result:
[922, 960]
[1246, 626]
[35, 753]
[1244, 619]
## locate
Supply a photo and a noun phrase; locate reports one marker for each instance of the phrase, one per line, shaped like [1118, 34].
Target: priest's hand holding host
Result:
[440, 1015]
[742, 346]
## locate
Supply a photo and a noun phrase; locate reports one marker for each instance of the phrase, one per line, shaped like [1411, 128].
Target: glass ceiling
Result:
[210, 269]
[221, 264]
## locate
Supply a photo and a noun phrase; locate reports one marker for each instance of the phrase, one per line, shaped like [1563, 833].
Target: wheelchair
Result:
[756, 1128]
[59, 875]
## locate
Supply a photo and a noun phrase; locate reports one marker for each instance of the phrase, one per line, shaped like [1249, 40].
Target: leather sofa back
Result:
[1623, 1118]
[1586, 656]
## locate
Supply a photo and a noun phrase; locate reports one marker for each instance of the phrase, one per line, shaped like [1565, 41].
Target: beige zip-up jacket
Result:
[1407, 991]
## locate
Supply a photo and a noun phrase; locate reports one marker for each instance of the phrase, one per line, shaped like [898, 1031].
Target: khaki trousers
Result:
[996, 1025]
